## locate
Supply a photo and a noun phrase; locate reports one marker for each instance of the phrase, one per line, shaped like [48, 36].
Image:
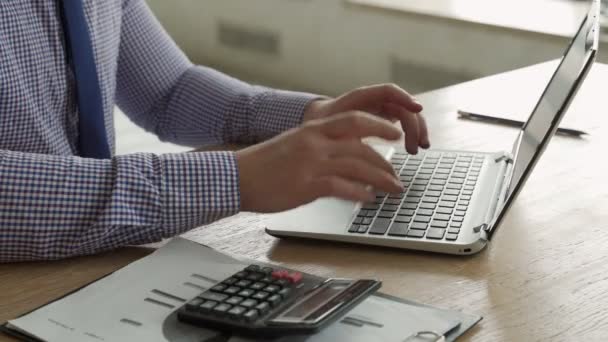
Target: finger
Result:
[409, 122]
[342, 188]
[392, 113]
[357, 149]
[376, 95]
[362, 172]
[357, 125]
[423, 139]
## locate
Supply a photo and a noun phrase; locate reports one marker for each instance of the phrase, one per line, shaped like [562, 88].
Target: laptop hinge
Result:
[506, 158]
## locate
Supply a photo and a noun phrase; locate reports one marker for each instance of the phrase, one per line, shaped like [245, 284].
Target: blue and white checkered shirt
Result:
[54, 204]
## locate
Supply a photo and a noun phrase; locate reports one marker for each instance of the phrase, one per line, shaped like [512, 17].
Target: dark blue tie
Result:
[92, 137]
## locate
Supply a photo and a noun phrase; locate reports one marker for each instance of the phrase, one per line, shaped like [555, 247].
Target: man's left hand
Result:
[386, 100]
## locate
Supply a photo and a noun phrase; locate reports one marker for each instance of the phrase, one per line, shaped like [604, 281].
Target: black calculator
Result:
[270, 302]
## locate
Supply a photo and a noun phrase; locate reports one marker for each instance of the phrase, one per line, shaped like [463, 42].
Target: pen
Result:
[513, 123]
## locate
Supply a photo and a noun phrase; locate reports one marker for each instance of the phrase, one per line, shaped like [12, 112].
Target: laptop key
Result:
[430, 199]
[419, 226]
[406, 178]
[467, 192]
[442, 217]
[403, 219]
[388, 207]
[363, 229]
[370, 213]
[439, 224]
[398, 229]
[354, 228]
[419, 218]
[367, 220]
[447, 211]
[465, 197]
[463, 202]
[412, 199]
[449, 198]
[436, 187]
[392, 201]
[461, 207]
[447, 204]
[435, 233]
[425, 212]
[358, 220]
[452, 192]
[460, 213]
[451, 237]
[406, 212]
[414, 233]
[458, 175]
[454, 186]
[457, 219]
[454, 230]
[386, 214]
[418, 188]
[409, 206]
[380, 226]
[425, 205]
[433, 193]
[415, 194]
[456, 224]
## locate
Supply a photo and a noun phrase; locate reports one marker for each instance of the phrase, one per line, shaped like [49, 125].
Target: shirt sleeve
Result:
[55, 207]
[163, 92]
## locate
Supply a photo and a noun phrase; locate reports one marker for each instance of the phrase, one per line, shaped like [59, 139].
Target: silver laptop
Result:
[454, 201]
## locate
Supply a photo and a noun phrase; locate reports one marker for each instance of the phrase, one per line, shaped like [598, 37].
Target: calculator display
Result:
[316, 305]
[306, 307]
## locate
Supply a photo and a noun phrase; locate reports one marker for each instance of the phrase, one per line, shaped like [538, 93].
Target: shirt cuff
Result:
[275, 111]
[198, 188]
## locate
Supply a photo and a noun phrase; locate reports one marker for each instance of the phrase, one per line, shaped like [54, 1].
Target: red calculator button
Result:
[281, 274]
[295, 277]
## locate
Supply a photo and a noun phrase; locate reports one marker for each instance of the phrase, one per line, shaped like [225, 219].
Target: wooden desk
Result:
[542, 278]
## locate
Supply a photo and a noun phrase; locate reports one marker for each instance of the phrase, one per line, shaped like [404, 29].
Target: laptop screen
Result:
[552, 105]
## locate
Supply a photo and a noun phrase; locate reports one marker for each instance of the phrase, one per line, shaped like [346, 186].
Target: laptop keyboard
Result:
[438, 189]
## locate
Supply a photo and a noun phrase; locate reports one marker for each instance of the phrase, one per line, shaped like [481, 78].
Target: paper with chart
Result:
[138, 303]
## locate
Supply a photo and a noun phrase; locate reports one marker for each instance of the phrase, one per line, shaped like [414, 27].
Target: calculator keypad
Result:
[248, 295]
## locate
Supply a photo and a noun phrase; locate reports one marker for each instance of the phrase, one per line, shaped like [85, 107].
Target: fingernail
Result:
[398, 185]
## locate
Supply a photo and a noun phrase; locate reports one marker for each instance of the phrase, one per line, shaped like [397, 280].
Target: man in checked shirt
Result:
[55, 202]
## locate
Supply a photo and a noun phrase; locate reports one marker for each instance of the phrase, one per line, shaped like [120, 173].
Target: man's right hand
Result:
[321, 158]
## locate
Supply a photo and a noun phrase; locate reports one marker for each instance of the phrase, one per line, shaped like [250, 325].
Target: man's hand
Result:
[321, 158]
[387, 101]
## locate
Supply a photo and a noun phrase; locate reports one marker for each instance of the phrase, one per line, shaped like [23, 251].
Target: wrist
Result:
[315, 109]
